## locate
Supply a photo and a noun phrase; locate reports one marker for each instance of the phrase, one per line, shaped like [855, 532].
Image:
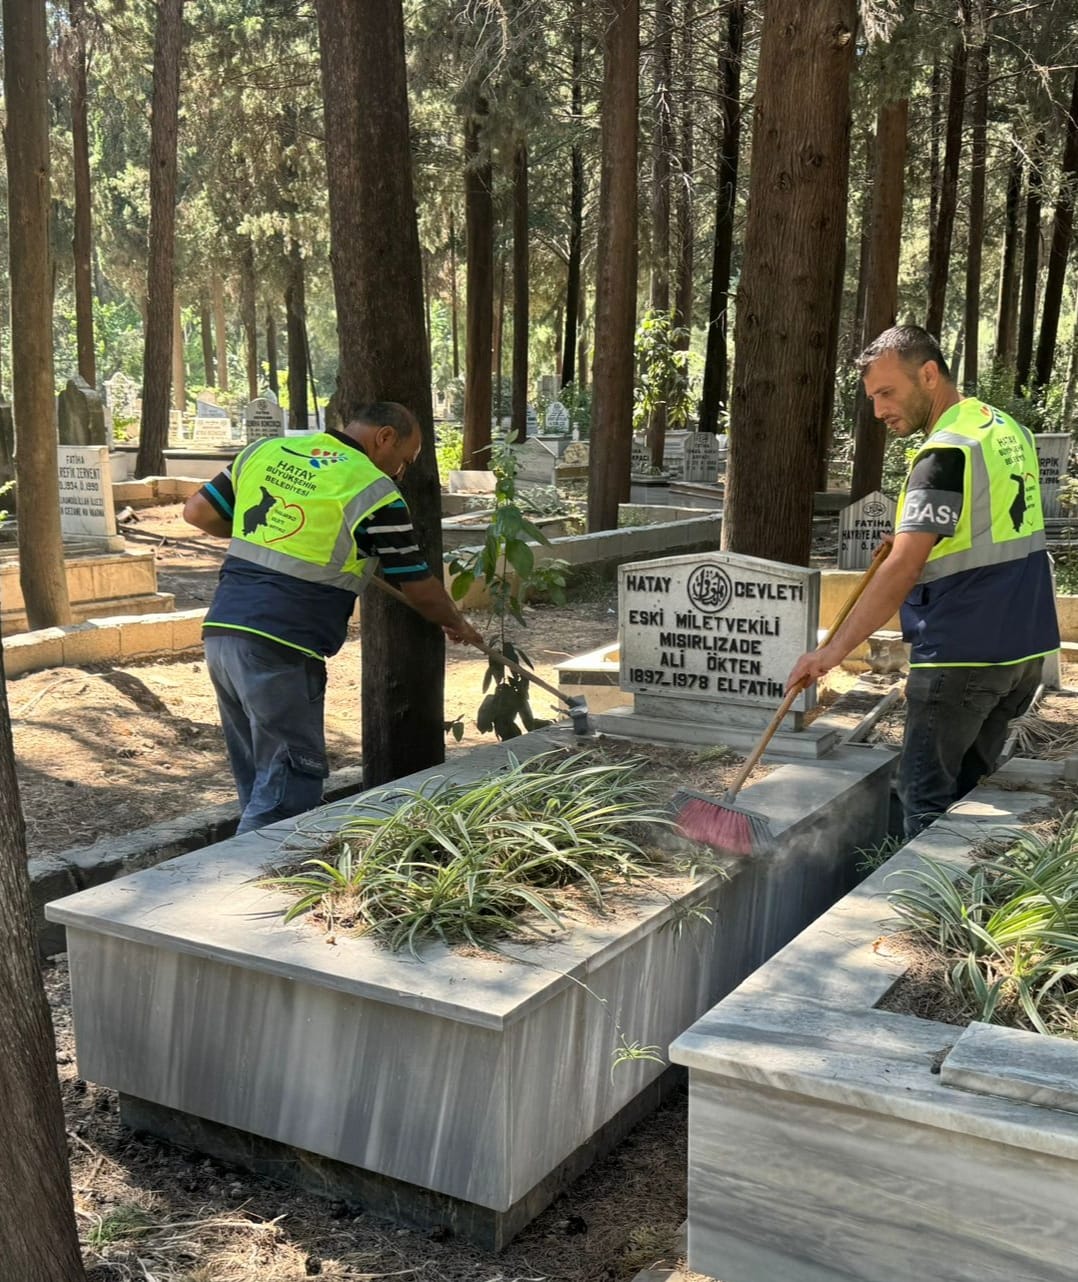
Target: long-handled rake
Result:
[716, 821]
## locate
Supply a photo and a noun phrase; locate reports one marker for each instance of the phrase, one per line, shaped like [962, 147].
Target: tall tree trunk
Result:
[179, 371]
[1007, 315]
[479, 221]
[615, 286]
[295, 306]
[378, 285]
[716, 363]
[38, 1238]
[271, 351]
[221, 330]
[519, 428]
[881, 276]
[685, 228]
[576, 209]
[662, 145]
[940, 262]
[935, 174]
[558, 338]
[164, 129]
[205, 322]
[499, 349]
[83, 239]
[1031, 264]
[978, 149]
[454, 304]
[26, 141]
[870, 141]
[1062, 229]
[795, 234]
[249, 316]
[582, 344]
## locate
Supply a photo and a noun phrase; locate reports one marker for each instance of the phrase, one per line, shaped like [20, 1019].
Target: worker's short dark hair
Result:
[384, 414]
[913, 344]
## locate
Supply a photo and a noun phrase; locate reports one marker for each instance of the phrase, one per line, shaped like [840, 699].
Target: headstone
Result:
[211, 433]
[471, 481]
[535, 461]
[711, 638]
[179, 429]
[261, 418]
[701, 458]
[206, 408]
[674, 454]
[556, 419]
[86, 509]
[576, 454]
[640, 464]
[531, 418]
[548, 386]
[80, 415]
[122, 395]
[1053, 453]
[861, 526]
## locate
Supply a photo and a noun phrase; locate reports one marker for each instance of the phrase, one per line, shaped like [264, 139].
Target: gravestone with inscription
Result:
[556, 419]
[640, 457]
[86, 511]
[262, 418]
[122, 395]
[80, 414]
[205, 408]
[1053, 453]
[536, 461]
[861, 526]
[701, 458]
[706, 643]
[674, 454]
[211, 433]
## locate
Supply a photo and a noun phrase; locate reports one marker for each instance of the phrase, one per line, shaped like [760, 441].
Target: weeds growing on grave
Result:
[1006, 929]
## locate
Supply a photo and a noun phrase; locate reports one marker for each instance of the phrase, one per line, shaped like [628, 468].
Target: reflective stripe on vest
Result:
[1001, 518]
[333, 487]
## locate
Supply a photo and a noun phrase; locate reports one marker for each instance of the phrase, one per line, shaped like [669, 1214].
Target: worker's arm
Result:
[435, 604]
[200, 512]
[888, 589]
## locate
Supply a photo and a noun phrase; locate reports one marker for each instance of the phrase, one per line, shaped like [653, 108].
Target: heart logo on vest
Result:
[285, 520]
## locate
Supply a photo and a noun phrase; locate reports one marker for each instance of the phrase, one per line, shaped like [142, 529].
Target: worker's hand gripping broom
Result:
[718, 822]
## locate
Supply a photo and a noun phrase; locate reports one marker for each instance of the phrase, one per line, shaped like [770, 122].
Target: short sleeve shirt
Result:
[934, 494]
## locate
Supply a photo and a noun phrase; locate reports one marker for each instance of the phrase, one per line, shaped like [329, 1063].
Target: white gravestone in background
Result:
[576, 454]
[861, 526]
[208, 409]
[535, 461]
[556, 419]
[86, 509]
[640, 464]
[211, 433]
[674, 454]
[1053, 453]
[179, 429]
[262, 419]
[122, 395]
[712, 637]
[701, 458]
[531, 418]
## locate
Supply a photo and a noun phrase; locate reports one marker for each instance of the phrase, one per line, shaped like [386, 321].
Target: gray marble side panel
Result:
[1015, 1064]
[408, 1095]
[787, 1189]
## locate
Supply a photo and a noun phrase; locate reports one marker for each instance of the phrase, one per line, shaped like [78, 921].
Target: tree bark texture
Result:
[26, 143]
[977, 175]
[662, 146]
[271, 351]
[479, 323]
[615, 286]
[519, 428]
[1031, 264]
[1007, 314]
[378, 285]
[881, 275]
[179, 371]
[205, 322]
[864, 244]
[576, 209]
[454, 302]
[794, 245]
[684, 207]
[221, 329]
[499, 337]
[715, 390]
[935, 174]
[164, 130]
[82, 246]
[940, 261]
[249, 313]
[1062, 230]
[295, 305]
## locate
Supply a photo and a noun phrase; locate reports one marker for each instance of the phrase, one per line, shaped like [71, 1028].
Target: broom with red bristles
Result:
[716, 821]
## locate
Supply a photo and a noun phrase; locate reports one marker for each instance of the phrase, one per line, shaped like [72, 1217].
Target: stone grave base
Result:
[98, 586]
[629, 723]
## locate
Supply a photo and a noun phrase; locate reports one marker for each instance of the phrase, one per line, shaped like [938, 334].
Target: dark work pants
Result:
[956, 725]
[272, 705]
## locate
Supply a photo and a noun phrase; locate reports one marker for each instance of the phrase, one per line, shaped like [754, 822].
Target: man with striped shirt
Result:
[308, 519]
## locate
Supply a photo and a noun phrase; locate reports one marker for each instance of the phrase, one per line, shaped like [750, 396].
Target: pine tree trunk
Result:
[479, 233]
[685, 226]
[378, 285]
[935, 175]
[271, 351]
[221, 330]
[1062, 230]
[715, 391]
[615, 286]
[179, 371]
[881, 290]
[940, 261]
[582, 344]
[1031, 260]
[249, 315]
[870, 141]
[558, 335]
[454, 306]
[26, 142]
[795, 234]
[662, 145]
[519, 428]
[295, 306]
[205, 322]
[576, 211]
[1007, 315]
[978, 151]
[499, 345]
[83, 238]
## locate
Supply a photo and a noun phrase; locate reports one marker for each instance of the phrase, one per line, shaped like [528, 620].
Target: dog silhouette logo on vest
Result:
[1017, 510]
[255, 517]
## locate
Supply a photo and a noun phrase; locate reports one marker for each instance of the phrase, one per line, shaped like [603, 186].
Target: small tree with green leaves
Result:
[662, 370]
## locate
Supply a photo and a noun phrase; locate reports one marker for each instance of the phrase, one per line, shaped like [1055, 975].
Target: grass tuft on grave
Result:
[470, 863]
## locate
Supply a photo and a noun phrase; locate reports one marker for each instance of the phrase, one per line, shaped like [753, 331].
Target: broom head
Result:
[723, 826]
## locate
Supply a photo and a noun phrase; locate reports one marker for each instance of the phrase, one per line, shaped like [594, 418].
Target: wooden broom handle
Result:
[785, 706]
